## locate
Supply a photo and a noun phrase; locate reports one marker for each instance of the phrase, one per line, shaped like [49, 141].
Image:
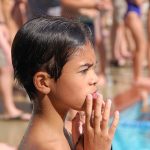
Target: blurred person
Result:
[100, 36]
[89, 8]
[134, 23]
[147, 82]
[6, 82]
[15, 13]
[88, 12]
[118, 34]
[148, 29]
[44, 7]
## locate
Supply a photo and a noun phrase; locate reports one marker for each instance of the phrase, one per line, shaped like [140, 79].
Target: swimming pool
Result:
[133, 132]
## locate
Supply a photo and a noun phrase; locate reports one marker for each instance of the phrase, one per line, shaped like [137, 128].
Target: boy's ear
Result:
[42, 82]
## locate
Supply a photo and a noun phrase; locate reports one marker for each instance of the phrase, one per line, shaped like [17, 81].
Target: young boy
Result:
[54, 59]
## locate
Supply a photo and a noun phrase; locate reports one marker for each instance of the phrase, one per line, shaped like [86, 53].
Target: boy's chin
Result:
[82, 107]
[79, 109]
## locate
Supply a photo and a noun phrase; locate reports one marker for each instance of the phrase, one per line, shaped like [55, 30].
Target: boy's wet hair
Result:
[45, 43]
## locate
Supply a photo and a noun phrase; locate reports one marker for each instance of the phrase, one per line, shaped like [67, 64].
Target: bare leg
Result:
[113, 38]
[6, 84]
[120, 45]
[99, 45]
[130, 41]
[6, 90]
[9, 18]
[145, 83]
[139, 53]
[123, 44]
[118, 38]
[15, 15]
[148, 24]
[140, 42]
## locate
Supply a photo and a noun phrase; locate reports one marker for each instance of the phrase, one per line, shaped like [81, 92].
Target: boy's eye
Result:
[85, 70]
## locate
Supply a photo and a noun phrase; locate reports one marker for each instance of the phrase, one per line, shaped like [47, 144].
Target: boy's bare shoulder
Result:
[52, 146]
[44, 145]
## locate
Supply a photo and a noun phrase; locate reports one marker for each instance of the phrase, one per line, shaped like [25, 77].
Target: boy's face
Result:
[78, 79]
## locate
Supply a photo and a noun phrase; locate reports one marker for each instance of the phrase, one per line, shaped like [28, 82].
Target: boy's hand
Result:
[97, 134]
[77, 130]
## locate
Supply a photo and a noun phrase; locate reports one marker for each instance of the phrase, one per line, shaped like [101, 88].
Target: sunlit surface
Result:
[12, 131]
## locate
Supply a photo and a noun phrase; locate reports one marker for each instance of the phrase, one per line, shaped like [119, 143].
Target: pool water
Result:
[133, 132]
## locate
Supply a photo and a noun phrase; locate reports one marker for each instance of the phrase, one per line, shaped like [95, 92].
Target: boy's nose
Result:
[94, 80]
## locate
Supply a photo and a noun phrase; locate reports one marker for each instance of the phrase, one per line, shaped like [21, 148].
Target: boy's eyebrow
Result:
[89, 64]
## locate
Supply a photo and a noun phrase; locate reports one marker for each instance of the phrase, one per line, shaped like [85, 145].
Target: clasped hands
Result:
[90, 128]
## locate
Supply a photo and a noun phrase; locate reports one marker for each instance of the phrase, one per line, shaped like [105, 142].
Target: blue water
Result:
[133, 132]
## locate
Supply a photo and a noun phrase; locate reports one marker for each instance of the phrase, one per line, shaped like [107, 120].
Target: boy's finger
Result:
[82, 116]
[88, 110]
[105, 117]
[114, 124]
[75, 128]
[95, 96]
[97, 113]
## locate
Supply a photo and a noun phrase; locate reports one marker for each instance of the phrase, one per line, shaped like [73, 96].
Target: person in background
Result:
[148, 29]
[15, 13]
[88, 12]
[6, 71]
[44, 7]
[118, 35]
[132, 18]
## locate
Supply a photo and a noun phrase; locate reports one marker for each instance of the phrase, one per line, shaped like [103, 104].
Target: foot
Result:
[126, 54]
[4, 146]
[122, 62]
[19, 116]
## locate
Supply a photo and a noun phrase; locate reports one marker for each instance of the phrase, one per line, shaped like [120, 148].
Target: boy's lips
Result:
[94, 94]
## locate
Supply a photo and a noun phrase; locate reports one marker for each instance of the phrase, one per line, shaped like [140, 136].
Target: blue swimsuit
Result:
[133, 7]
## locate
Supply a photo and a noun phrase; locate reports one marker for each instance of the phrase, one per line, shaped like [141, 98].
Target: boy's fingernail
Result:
[89, 96]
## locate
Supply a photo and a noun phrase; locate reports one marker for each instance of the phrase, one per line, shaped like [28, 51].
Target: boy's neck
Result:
[46, 127]
[47, 112]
